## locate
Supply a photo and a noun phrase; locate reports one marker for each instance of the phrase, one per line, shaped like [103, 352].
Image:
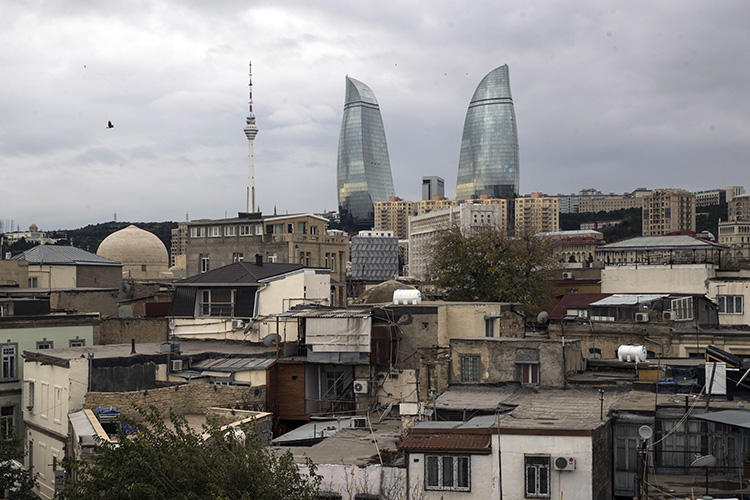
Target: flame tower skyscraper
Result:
[251, 130]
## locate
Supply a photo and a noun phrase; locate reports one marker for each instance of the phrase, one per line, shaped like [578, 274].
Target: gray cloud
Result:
[607, 95]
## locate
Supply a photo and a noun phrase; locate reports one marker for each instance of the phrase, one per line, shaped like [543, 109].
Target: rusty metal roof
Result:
[449, 440]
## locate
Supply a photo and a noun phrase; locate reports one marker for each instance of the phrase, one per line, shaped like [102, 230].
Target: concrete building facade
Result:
[374, 256]
[432, 186]
[668, 211]
[179, 243]
[536, 213]
[393, 215]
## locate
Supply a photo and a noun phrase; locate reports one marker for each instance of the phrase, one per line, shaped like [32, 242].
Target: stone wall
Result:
[185, 399]
[263, 422]
[85, 301]
[121, 330]
[14, 273]
[601, 473]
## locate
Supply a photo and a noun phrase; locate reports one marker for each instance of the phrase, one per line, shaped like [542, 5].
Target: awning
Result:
[737, 418]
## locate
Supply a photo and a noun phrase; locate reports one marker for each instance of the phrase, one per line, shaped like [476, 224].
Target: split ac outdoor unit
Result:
[176, 365]
[567, 276]
[641, 317]
[360, 387]
[238, 323]
[667, 315]
[564, 463]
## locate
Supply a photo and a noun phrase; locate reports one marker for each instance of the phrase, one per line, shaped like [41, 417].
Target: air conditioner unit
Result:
[667, 315]
[176, 365]
[641, 317]
[360, 387]
[567, 276]
[358, 423]
[238, 323]
[564, 463]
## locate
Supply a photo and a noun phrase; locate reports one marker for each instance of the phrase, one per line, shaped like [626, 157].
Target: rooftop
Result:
[679, 241]
[62, 255]
[240, 273]
[249, 218]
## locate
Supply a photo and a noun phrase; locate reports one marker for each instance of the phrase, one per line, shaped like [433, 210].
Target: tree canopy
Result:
[16, 482]
[171, 460]
[488, 267]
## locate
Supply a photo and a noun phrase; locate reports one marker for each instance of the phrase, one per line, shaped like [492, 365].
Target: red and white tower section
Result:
[251, 130]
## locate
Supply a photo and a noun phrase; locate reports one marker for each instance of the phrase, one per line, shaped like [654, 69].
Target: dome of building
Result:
[141, 253]
[33, 228]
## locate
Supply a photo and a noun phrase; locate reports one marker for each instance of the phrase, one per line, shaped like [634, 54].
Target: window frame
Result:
[533, 372]
[455, 461]
[40, 343]
[230, 230]
[724, 300]
[213, 231]
[14, 362]
[538, 463]
[682, 309]
[470, 364]
[205, 262]
[207, 303]
[7, 422]
[80, 342]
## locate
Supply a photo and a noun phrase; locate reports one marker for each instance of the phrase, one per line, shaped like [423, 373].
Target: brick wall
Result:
[185, 399]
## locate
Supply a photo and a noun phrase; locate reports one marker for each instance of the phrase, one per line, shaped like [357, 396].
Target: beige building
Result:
[292, 239]
[426, 230]
[574, 249]
[142, 254]
[179, 244]
[436, 203]
[609, 203]
[52, 266]
[393, 215]
[668, 211]
[536, 213]
[736, 235]
[739, 208]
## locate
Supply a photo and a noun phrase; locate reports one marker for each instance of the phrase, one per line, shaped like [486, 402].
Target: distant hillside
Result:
[89, 237]
[630, 227]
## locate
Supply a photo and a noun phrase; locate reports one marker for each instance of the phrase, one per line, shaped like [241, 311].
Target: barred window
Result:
[447, 472]
[469, 368]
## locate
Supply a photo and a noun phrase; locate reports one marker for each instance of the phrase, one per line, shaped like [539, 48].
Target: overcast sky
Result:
[610, 95]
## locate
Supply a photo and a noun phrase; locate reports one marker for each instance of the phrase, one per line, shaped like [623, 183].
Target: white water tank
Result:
[405, 296]
[632, 353]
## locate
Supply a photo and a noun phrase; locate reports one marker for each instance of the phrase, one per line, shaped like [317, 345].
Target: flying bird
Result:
[109, 125]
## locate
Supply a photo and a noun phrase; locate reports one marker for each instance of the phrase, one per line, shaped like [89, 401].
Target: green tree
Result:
[171, 460]
[486, 266]
[15, 481]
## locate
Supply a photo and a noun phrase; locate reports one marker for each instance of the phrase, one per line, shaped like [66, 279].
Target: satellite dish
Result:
[704, 461]
[645, 432]
[270, 339]
[542, 318]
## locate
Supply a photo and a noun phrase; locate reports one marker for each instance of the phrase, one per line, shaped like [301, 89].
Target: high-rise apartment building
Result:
[739, 208]
[393, 215]
[609, 203]
[426, 230]
[363, 169]
[436, 203]
[536, 213]
[432, 186]
[179, 243]
[489, 148]
[667, 211]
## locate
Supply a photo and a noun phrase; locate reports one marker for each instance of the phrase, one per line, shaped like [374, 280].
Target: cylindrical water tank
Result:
[632, 353]
[406, 296]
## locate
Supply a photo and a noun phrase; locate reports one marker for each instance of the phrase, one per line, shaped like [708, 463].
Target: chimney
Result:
[258, 259]
[132, 346]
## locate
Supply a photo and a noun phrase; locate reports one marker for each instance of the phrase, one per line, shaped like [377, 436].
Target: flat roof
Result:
[677, 241]
[737, 418]
[187, 348]
[628, 299]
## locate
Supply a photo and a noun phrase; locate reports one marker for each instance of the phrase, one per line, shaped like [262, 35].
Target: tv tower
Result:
[250, 132]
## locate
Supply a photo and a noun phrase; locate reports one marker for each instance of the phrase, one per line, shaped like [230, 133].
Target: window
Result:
[327, 258]
[214, 231]
[30, 395]
[57, 401]
[217, 302]
[238, 257]
[335, 384]
[313, 229]
[536, 476]
[447, 472]
[528, 373]
[77, 342]
[45, 344]
[7, 422]
[245, 230]
[302, 258]
[205, 262]
[301, 228]
[33, 282]
[230, 230]
[272, 257]
[730, 304]
[489, 327]
[333, 262]
[10, 362]
[307, 259]
[469, 368]
[682, 309]
[197, 232]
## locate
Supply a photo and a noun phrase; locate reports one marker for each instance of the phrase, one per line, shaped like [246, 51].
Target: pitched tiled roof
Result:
[446, 441]
[62, 255]
[240, 273]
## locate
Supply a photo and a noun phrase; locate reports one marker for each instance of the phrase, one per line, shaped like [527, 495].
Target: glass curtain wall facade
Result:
[489, 148]
[364, 170]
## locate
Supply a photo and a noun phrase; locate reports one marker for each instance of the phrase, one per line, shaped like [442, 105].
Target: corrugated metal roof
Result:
[232, 364]
[446, 441]
[328, 313]
[737, 418]
[628, 300]
[681, 241]
[53, 254]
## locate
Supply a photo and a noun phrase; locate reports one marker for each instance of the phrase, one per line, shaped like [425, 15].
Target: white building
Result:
[426, 230]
